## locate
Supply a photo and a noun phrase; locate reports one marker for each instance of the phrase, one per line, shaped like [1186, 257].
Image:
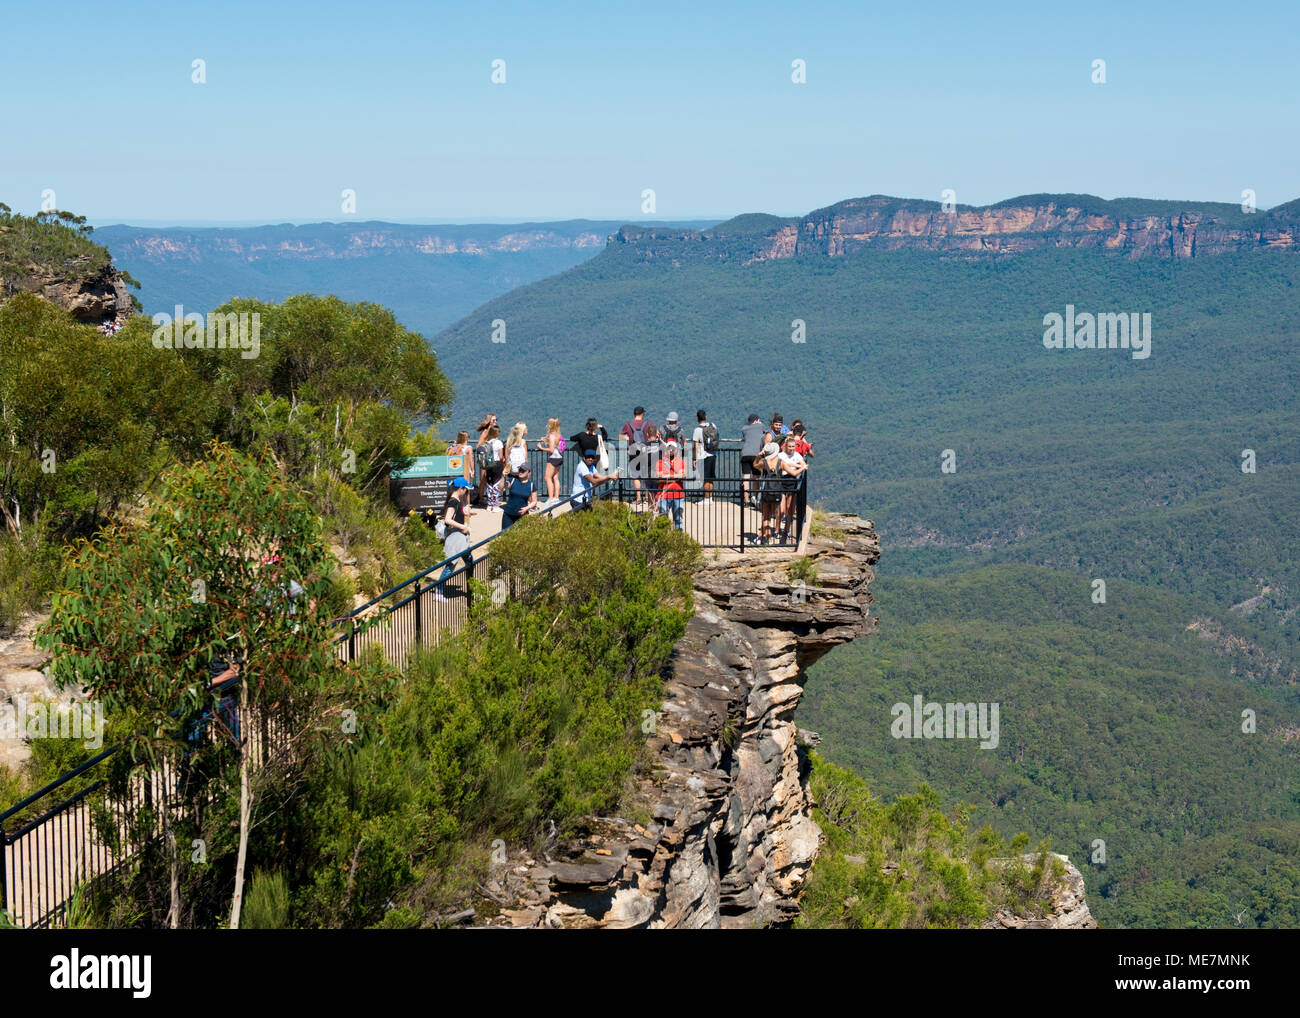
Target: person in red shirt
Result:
[801, 444]
[671, 494]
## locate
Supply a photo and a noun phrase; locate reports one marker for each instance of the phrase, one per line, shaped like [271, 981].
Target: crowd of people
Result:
[497, 476]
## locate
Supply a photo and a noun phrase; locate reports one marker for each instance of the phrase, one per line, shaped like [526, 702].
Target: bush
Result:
[530, 716]
[28, 572]
[266, 903]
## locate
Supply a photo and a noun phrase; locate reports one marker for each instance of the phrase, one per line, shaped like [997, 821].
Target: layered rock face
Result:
[732, 836]
[878, 222]
[1012, 227]
[96, 298]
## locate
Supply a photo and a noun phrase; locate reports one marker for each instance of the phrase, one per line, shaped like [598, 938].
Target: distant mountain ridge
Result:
[344, 240]
[1130, 226]
[429, 275]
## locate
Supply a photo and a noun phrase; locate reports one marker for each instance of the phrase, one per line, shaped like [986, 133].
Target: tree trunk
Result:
[244, 806]
[174, 912]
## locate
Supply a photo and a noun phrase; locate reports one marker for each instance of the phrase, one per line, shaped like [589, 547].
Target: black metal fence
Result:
[93, 831]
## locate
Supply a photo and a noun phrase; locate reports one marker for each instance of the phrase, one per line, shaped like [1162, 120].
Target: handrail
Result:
[459, 555]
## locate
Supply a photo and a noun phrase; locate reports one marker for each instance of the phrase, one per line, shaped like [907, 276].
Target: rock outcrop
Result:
[730, 837]
[1129, 227]
[24, 679]
[98, 298]
[1069, 907]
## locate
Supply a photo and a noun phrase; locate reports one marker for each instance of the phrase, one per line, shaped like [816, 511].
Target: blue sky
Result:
[695, 100]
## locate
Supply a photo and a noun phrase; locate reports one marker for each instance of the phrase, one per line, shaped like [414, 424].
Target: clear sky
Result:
[603, 100]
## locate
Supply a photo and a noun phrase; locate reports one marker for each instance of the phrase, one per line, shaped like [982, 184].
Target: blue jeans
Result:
[227, 710]
[672, 507]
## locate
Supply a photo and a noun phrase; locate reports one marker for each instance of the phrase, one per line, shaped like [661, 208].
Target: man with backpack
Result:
[672, 431]
[637, 466]
[706, 449]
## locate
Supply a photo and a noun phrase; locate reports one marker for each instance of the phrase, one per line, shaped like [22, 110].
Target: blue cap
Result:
[460, 482]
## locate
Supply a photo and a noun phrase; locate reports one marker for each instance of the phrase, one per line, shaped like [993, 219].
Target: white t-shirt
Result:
[497, 445]
[699, 437]
[793, 458]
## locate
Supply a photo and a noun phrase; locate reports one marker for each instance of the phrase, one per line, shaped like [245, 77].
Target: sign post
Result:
[425, 484]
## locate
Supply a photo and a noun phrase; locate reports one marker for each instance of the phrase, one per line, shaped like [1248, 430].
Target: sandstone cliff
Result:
[1130, 227]
[98, 297]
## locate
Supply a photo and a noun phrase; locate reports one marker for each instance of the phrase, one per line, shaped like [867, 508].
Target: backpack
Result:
[673, 433]
[637, 445]
[710, 434]
[483, 455]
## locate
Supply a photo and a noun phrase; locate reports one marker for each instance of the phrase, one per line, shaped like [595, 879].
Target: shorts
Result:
[707, 468]
[747, 464]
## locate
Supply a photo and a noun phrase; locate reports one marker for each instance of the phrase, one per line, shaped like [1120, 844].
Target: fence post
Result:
[4, 873]
[419, 610]
[803, 503]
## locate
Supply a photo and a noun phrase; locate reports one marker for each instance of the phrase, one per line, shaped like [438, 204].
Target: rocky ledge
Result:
[730, 837]
[1069, 908]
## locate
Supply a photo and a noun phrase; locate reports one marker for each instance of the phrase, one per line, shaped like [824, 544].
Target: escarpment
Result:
[728, 837]
[1132, 228]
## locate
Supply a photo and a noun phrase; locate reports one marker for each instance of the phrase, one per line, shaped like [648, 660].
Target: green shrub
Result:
[28, 572]
[530, 716]
[266, 903]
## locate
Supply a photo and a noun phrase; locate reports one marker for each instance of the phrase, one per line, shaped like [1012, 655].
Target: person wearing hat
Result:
[673, 431]
[673, 468]
[521, 496]
[585, 478]
[457, 541]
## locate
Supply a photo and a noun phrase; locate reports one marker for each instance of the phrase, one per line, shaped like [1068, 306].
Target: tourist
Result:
[456, 519]
[769, 490]
[483, 453]
[554, 445]
[516, 448]
[521, 497]
[490, 478]
[751, 444]
[633, 435]
[585, 478]
[590, 439]
[801, 445]
[673, 431]
[776, 431]
[652, 453]
[706, 448]
[791, 466]
[671, 495]
[461, 448]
